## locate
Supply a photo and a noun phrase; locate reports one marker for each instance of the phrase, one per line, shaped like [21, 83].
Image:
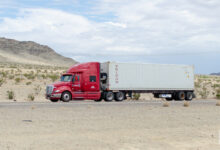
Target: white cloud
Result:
[139, 28]
[117, 24]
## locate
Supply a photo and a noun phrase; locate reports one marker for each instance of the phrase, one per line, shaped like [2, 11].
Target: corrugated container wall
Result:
[133, 76]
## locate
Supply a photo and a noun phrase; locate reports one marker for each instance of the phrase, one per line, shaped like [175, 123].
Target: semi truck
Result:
[117, 81]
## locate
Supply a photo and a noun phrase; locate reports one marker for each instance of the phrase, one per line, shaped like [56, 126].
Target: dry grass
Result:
[166, 104]
[218, 103]
[186, 104]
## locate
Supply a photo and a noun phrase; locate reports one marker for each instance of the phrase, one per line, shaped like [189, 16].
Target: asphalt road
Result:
[48, 104]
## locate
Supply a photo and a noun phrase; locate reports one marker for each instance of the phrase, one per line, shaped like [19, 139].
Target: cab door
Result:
[93, 87]
[76, 83]
[77, 92]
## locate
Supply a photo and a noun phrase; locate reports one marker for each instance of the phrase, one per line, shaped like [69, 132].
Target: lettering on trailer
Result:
[116, 74]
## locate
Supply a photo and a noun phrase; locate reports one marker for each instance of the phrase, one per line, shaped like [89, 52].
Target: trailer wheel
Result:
[119, 96]
[169, 99]
[180, 96]
[66, 96]
[189, 96]
[109, 96]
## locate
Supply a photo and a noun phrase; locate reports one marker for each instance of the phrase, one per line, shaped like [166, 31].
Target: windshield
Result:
[66, 78]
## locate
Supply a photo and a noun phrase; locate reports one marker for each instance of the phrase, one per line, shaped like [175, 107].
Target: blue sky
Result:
[159, 31]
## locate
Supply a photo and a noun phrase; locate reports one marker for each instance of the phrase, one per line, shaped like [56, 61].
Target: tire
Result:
[119, 96]
[189, 96]
[180, 96]
[66, 96]
[98, 100]
[54, 100]
[109, 96]
[169, 99]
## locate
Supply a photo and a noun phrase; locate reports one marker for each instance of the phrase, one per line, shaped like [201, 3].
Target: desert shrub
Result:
[37, 89]
[31, 97]
[28, 83]
[204, 76]
[19, 70]
[216, 86]
[204, 93]
[186, 104]
[2, 81]
[197, 85]
[17, 80]
[218, 94]
[53, 77]
[218, 103]
[12, 71]
[136, 96]
[11, 77]
[166, 104]
[3, 74]
[12, 66]
[43, 76]
[10, 94]
[30, 76]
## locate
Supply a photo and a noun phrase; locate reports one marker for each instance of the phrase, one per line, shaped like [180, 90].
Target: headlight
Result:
[57, 91]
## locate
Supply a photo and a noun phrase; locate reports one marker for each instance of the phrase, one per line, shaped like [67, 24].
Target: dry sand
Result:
[110, 126]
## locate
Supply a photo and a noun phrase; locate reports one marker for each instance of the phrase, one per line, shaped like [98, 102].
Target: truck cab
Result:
[81, 81]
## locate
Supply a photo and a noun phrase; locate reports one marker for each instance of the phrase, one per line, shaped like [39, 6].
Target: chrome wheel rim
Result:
[120, 96]
[109, 96]
[66, 97]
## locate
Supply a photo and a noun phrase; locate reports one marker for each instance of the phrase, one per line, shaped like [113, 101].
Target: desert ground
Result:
[129, 125]
[28, 82]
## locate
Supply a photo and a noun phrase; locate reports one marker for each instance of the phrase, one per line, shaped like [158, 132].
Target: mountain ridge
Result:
[217, 74]
[29, 52]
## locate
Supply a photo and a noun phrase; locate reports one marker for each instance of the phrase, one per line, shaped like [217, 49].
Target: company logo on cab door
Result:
[116, 74]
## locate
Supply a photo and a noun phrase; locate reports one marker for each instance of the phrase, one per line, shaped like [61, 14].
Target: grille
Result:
[49, 89]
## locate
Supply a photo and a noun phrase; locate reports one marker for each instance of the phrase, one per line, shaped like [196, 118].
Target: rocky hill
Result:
[216, 74]
[28, 52]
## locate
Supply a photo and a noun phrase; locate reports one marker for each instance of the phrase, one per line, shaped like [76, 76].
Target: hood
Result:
[58, 84]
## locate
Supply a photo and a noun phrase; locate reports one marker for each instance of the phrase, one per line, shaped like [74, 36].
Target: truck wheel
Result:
[66, 96]
[189, 96]
[181, 96]
[98, 100]
[119, 96]
[54, 100]
[109, 96]
[169, 99]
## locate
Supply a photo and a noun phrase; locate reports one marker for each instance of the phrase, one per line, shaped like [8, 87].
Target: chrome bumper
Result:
[51, 96]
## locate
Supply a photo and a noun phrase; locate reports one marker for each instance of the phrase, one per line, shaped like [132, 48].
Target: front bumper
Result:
[53, 96]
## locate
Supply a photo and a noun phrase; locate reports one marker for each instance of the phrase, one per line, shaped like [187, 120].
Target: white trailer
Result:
[163, 80]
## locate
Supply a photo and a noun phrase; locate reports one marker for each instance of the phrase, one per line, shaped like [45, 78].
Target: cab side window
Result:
[75, 78]
[92, 78]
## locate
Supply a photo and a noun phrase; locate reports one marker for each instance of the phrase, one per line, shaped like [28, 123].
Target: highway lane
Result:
[103, 103]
